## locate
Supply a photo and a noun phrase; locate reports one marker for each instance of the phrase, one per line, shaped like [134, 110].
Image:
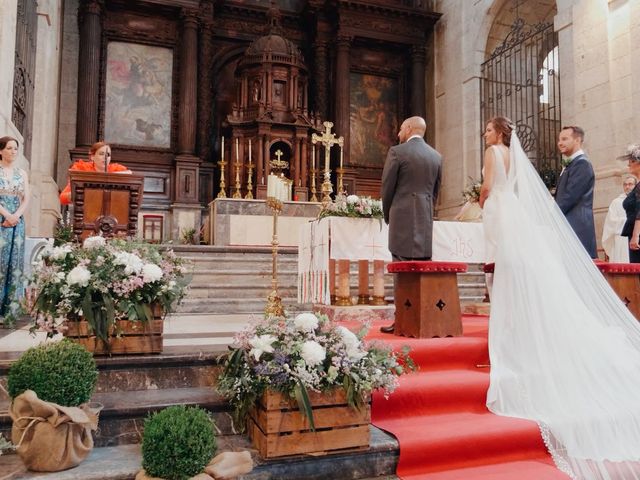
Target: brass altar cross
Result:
[327, 139]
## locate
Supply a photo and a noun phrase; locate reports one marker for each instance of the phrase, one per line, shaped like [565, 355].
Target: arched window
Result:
[547, 73]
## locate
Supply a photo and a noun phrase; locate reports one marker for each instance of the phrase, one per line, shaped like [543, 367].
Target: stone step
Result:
[123, 462]
[217, 306]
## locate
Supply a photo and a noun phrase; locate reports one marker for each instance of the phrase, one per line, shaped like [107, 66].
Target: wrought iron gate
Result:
[520, 81]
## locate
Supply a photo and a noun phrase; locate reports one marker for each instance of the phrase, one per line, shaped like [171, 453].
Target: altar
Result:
[327, 246]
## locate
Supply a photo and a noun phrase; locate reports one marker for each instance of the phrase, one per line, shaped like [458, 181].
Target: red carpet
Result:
[439, 417]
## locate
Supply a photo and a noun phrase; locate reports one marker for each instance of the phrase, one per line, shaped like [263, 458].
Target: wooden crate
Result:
[133, 338]
[278, 428]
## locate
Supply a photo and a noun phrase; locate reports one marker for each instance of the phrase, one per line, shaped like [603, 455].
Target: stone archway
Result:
[519, 79]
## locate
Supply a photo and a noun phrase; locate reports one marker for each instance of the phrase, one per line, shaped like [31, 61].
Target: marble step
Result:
[122, 462]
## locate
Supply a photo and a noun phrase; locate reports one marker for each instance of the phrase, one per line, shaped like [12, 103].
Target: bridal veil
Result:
[565, 350]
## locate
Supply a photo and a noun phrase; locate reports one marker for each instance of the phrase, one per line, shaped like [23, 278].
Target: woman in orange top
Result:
[99, 155]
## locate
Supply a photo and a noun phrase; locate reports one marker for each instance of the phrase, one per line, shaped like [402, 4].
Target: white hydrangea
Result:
[132, 263]
[261, 344]
[59, 253]
[151, 273]
[79, 276]
[353, 199]
[306, 322]
[352, 343]
[313, 353]
[94, 242]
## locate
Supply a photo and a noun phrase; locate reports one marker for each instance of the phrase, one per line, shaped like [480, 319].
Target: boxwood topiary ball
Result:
[177, 443]
[60, 372]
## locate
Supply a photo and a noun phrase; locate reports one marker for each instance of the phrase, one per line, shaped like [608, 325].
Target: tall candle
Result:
[313, 158]
[340, 157]
[249, 151]
[222, 150]
[237, 149]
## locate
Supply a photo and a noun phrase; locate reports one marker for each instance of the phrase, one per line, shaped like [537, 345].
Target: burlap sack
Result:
[229, 465]
[226, 466]
[50, 437]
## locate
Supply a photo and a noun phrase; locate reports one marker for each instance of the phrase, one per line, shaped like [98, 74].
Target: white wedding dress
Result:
[564, 350]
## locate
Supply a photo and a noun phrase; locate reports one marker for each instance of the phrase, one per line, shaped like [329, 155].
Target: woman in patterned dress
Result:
[14, 198]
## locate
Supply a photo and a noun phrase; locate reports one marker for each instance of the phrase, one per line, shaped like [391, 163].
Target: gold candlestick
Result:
[341, 190]
[237, 193]
[222, 193]
[314, 197]
[249, 194]
[222, 163]
[274, 306]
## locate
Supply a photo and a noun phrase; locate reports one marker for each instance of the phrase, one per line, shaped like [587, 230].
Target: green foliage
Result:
[177, 443]
[63, 232]
[61, 372]
[188, 236]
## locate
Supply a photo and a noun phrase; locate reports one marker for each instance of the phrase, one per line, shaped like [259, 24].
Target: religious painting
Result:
[374, 118]
[138, 95]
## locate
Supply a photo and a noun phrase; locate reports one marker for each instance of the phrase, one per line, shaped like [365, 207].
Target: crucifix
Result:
[328, 139]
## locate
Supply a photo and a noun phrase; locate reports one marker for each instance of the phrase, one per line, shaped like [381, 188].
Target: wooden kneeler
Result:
[624, 278]
[427, 299]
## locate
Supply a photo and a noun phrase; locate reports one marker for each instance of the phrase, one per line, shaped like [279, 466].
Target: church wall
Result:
[598, 91]
[68, 91]
[45, 209]
[41, 216]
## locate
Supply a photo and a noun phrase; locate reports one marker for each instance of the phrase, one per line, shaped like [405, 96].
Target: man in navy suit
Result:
[574, 194]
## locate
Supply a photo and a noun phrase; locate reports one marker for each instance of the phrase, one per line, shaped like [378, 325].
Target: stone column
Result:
[187, 113]
[90, 27]
[205, 101]
[320, 99]
[418, 102]
[343, 47]
[186, 208]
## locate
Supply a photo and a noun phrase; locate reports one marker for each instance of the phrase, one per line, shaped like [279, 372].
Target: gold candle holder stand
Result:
[237, 193]
[222, 193]
[249, 194]
[274, 306]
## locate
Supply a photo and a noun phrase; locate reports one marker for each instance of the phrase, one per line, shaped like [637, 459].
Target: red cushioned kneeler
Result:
[426, 298]
[624, 278]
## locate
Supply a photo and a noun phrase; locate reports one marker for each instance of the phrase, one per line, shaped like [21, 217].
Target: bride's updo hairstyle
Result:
[504, 126]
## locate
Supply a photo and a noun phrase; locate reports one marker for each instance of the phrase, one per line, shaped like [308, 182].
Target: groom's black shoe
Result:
[388, 329]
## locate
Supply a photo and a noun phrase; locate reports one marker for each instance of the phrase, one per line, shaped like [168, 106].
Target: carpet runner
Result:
[439, 417]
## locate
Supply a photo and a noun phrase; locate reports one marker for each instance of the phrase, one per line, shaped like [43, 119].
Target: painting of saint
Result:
[138, 95]
[374, 118]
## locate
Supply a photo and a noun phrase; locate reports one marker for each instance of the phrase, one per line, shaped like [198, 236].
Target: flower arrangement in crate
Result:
[302, 357]
[103, 281]
[352, 206]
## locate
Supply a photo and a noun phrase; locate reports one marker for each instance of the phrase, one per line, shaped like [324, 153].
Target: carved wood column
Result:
[205, 101]
[418, 56]
[187, 163]
[320, 99]
[90, 26]
[342, 90]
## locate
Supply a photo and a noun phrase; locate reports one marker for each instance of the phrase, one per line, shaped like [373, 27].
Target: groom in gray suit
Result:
[574, 194]
[410, 183]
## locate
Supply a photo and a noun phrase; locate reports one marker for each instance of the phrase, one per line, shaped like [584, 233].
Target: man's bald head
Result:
[412, 126]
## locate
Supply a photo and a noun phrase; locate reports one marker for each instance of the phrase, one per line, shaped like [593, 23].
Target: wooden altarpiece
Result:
[105, 203]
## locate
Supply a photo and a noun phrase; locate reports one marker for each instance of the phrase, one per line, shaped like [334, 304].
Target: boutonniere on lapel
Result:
[566, 161]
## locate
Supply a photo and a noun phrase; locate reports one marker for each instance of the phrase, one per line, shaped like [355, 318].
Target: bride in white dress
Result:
[564, 350]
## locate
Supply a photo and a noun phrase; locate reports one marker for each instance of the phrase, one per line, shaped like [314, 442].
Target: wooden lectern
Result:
[105, 203]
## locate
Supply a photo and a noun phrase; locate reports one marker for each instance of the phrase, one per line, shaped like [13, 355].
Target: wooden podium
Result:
[105, 203]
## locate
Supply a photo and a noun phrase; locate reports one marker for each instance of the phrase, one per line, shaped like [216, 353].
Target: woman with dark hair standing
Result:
[631, 206]
[14, 198]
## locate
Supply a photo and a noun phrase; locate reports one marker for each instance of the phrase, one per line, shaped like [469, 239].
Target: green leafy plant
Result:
[177, 443]
[188, 236]
[103, 281]
[60, 372]
[307, 353]
[63, 232]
